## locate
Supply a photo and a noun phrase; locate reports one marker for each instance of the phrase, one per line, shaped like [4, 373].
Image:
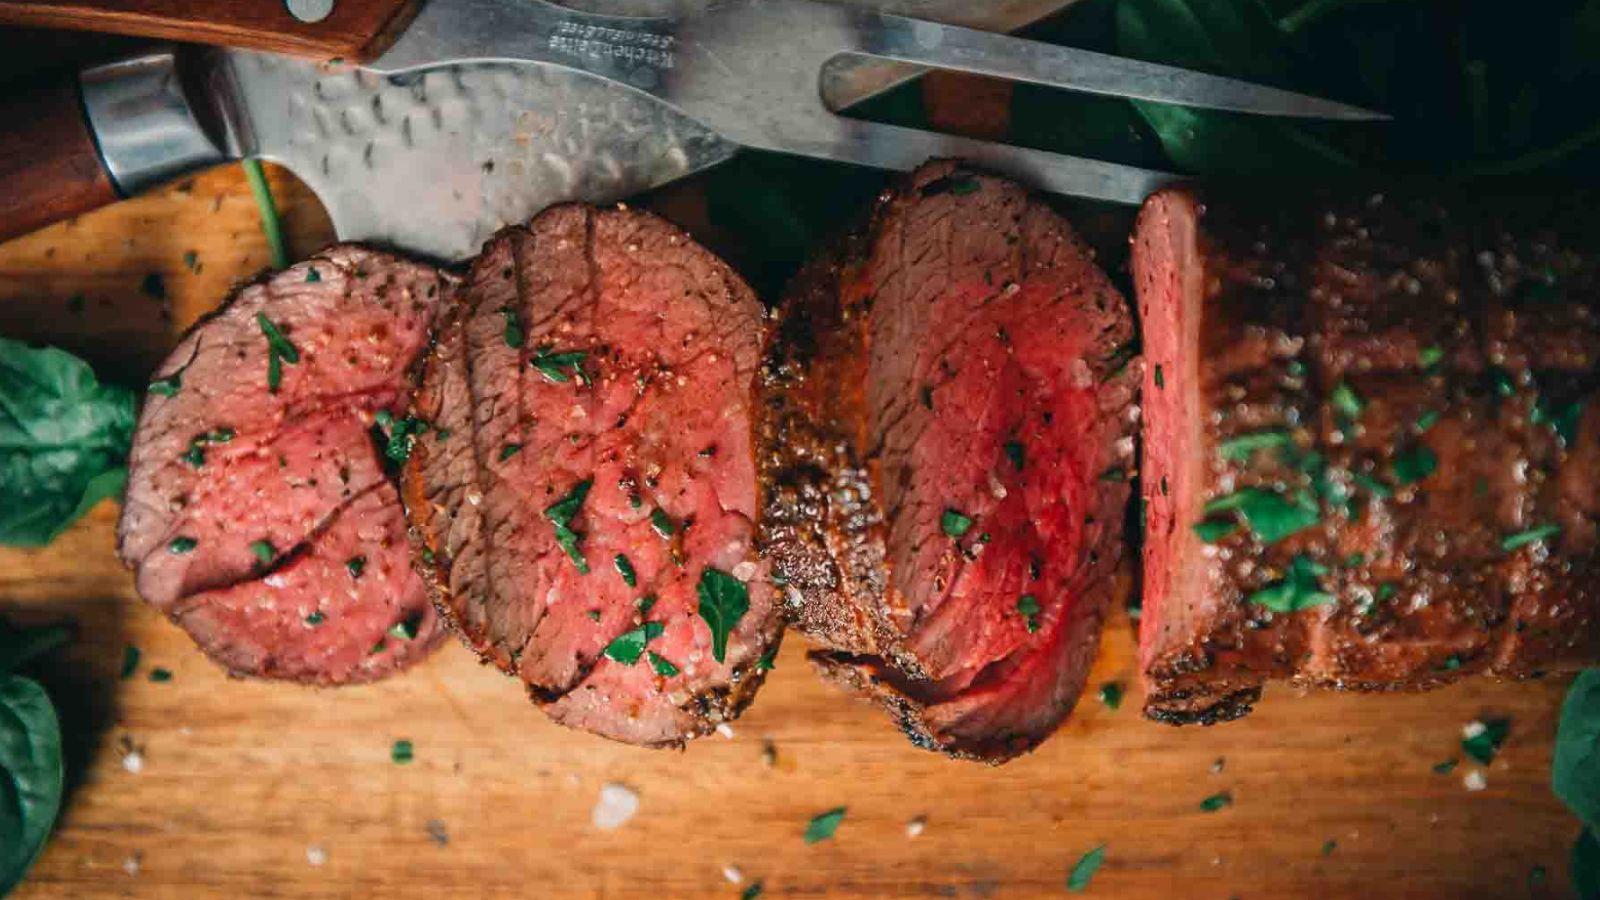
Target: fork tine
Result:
[893, 147]
[982, 53]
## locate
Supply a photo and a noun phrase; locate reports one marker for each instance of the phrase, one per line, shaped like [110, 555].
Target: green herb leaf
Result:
[130, 662]
[662, 665]
[661, 522]
[723, 602]
[1430, 356]
[554, 366]
[1445, 767]
[401, 752]
[627, 647]
[1111, 694]
[313, 276]
[1346, 401]
[355, 565]
[561, 513]
[1161, 380]
[1298, 590]
[316, 618]
[1575, 770]
[271, 225]
[264, 551]
[1415, 465]
[1013, 451]
[625, 569]
[513, 330]
[768, 661]
[1115, 473]
[1533, 535]
[274, 371]
[823, 826]
[64, 441]
[1241, 447]
[1482, 746]
[1271, 515]
[1427, 420]
[508, 451]
[1216, 802]
[406, 629]
[1084, 869]
[160, 675]
[181, 544]
[753, 891]
[1372, 485]
[166, 387]
[1502, 382]
[1563, 419]
[276, 341]
[1212, 530]
[30, 767]
[954, 524]
[1028, 606]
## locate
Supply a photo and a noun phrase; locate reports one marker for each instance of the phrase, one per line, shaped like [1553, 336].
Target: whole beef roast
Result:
[945, 447]
[586, 503]
[259, 514]
[1370, 450]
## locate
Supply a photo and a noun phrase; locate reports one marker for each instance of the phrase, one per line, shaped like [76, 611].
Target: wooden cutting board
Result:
[201, 786]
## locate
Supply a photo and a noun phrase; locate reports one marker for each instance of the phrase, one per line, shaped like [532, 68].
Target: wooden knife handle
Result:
[49, 166]
[355, 30]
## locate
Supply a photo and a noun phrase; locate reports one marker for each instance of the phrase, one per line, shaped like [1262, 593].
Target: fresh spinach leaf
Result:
[30, 775]
[64, 441]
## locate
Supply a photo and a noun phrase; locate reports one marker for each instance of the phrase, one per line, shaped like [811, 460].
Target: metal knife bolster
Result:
[146, 124]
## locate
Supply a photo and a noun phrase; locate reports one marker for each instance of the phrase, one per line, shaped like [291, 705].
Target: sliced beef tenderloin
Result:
[587, 507]
[259, 515]
[945, 449]
[1368, 447]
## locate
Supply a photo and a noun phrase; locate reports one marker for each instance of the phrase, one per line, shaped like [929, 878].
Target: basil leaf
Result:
[723, 602]
[823, 826]
[30, 775]
[1083, 871]
[1575, 769]
[64, 440]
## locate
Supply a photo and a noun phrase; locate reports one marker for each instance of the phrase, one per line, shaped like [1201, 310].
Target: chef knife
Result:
[483, 111]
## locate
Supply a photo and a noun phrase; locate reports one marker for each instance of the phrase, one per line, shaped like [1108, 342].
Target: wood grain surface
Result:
[245, 786]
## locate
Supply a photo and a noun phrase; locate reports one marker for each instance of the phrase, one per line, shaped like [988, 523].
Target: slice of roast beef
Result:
[259, 515]
[586, 508]
[945, 448]
[1369, 450]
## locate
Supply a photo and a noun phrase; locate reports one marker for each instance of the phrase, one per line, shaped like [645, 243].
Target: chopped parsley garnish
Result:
[401, 752]
[554, 366]
[1298, 590]
[1427, 420]
[1501, 380]
[1483, 739]
[1013, 451]
[1212, 530]
[1083, 870]
[644, 604]
[166, 387]
[1451, 663]
[406, 629]
[1161, 380]
[130, 661]
[215, 436]
[1415, 465]
[954, 523]
[279, 350]
[561, 513]
[1240, 448]
[513, 329]
[1430, 356]
[1111, 694]
[1216, 802]
[723, 602]
[1387, 590]
[822, 827]
[1355, 560]
[753, 891]
[593, 614]
[316, 618]
[662, 523]
[1346, 401]
[1328, 846]
[662, 665]
[1028, 607]
[160, 675]
[1271, 515]
[625, 569]
[627, 647]
[263, 550]
[768, 661]
[401, 435]
[1533, 535]
[1446, 767]
[1373, 486]
[1563, 420]
[508, 451]
[182, 544]
[313, 276]
[355, 565]
[967, 185]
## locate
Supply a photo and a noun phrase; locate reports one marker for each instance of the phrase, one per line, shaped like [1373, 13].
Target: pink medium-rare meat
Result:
[1369, 455]
[945, 453]
[254, 468]
[587, 511]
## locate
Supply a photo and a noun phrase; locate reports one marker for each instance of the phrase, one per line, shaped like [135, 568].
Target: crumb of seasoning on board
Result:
[733, 874]
[724, 731]
[1474, 781]
[160, 675]
[315, 855]
[1218, 765]
[1216, 802]
[769, 753]
[437, 833]
[823, 825]
[1111, 694]
[1084, 869]
[401, 752]
[132, 863]
[1481, 739]
[1328, 846]
[130, 662]
[755, 890]
[132, 756]
[916, 826]
[618, 803]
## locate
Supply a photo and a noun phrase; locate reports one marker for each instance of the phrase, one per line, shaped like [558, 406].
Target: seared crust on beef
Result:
[960, 349]
[599, 347]
[247, 503]
[1429, 366]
